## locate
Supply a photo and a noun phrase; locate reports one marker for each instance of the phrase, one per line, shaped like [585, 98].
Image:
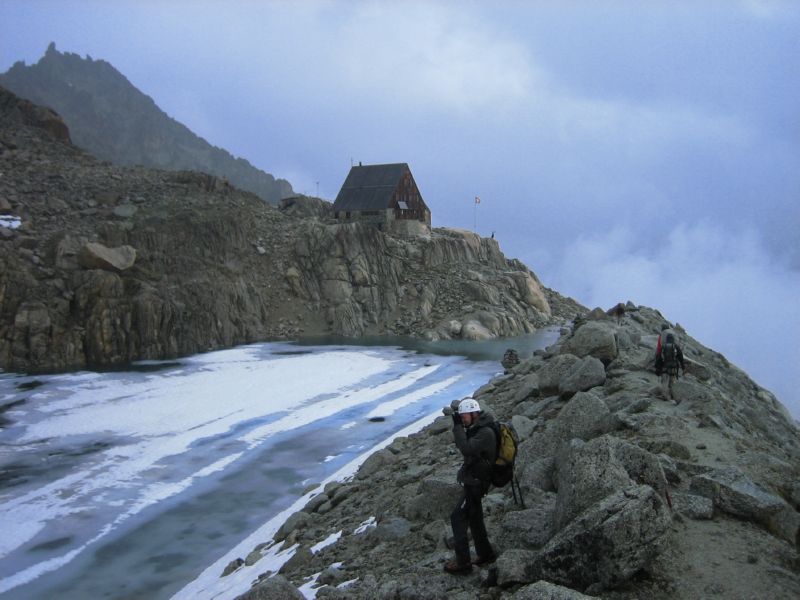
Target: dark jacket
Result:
[478, 445]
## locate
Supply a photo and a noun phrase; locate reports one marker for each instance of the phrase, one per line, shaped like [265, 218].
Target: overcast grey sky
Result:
[622, 150]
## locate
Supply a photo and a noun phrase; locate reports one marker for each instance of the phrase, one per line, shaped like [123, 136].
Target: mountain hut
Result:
[383, 195]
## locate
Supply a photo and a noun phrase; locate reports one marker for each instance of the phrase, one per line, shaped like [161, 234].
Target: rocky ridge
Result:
[113, 120]
[628, 494]
[111, 264]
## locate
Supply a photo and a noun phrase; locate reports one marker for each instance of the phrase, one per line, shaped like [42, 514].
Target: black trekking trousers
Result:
[469, 513]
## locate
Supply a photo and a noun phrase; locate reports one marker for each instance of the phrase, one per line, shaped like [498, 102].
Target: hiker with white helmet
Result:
[476, 440]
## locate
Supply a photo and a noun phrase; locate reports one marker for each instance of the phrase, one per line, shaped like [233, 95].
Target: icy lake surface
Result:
[141, 483]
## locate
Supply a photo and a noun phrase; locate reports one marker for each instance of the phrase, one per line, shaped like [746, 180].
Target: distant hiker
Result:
[617, 311]
[669, 357]
[493, 235]
[665, 331]
[510, 359]
[475, 438]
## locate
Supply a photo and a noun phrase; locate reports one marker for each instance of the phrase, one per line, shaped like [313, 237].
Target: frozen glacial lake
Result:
[139, 483]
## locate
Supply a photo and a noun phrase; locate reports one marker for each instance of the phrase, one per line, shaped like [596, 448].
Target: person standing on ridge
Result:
[475, 438]
[669, 357]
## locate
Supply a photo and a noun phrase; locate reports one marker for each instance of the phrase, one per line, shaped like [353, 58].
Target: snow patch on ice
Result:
[368, 524]
[10, 222]
[331, 539]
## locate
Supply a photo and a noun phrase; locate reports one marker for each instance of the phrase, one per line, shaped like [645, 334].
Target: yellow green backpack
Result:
[503, 467]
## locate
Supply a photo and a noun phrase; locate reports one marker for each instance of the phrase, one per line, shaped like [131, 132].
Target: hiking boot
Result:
[456, 568]
[484, 560]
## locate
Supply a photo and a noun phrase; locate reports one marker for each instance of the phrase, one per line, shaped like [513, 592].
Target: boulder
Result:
[474, 330]
[529, 388]
[514, 567]
[300, 558]
[523, 426]
[276, 587]
[537, 474]
[97, 256]
[692, 506]
[596, 314]
[454, 327]
[531, 292]
[342, 493]
[553, 371]
[585, 375]
[594, 338]
[435, 499]
[125, 211]
[536, 409]
[391, 529]
[607, 544]
[306, 206]
[643, 467]
[698, 369]
[44, 118]
[734, 493]
[232, 566]
[298, 520]
[315, 502]
[529, 528]
[375, 463]
[544, 590]
[32, 329]
[585, 416]
[588, 472]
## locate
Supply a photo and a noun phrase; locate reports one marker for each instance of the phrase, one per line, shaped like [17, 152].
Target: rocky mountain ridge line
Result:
[628, 494]
[113, 120]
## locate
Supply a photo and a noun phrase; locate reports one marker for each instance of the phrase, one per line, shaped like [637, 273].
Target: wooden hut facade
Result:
[381, 195]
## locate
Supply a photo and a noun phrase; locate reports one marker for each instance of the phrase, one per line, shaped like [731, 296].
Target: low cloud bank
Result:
[723, 287]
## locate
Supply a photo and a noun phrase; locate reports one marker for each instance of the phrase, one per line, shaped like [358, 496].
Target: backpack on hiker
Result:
[669, 355]
[503, 467]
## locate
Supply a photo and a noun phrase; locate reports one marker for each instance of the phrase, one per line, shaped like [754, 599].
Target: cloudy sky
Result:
[622, 150]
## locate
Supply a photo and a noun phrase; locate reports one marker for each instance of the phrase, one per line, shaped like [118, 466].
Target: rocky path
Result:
[629, 494]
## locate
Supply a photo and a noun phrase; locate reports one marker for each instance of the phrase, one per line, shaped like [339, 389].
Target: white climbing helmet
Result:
[468, 405]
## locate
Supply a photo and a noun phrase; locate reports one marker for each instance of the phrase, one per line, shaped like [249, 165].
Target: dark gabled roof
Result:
[369, 187]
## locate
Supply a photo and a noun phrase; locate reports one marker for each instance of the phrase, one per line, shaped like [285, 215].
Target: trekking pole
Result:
[521, 499]
[666, 492]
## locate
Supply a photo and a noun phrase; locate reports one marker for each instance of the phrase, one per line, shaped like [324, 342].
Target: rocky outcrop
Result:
[446, 284]
[305, 206]
[110, 265]
[114, 121]
[98, 256]
[627, 495]
[732, 492]
[274, 588]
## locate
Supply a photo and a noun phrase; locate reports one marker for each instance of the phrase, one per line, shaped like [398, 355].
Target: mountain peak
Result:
[112, 119]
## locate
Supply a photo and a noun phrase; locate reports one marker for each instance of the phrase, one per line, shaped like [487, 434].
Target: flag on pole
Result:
[477, 200]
